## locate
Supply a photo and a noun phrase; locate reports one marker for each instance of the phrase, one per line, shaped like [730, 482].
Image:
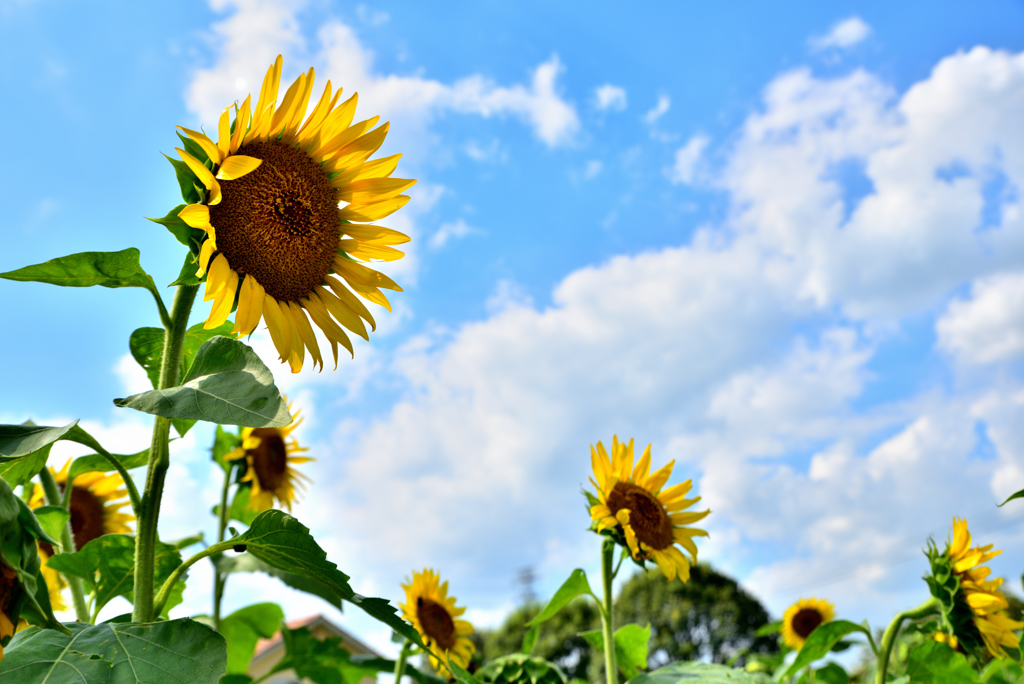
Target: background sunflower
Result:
[435, 616]
[802, 618]
[270, 461]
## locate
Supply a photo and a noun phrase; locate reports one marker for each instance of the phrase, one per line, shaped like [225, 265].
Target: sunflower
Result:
[96, 500]
[434, 615]
[54, 581]
[630, 501]
[802, 618]
[972, 605]
[277, 240]
[8, 587]
[270, 460]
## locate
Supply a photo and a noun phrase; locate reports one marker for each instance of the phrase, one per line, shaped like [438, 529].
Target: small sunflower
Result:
[270, 462]
[276, 239]
[974, 609]
[802, 618]
[95, 506]
[434, 615]
[652, 521]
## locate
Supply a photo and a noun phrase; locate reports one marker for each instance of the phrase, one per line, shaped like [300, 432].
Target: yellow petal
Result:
[360, 250]
[288, 105]
[291, 126]
[378, 168]
[339, 309]
[323, 320]
[204, 176]
[244, 310]
[280, 330]
[298, 351]
[223, 302]
[375, 211]
[320, 112]
[331, 146]
[256, 309]
[209, 147]
[241, 122]
[205, 252]
[268, 93]
[373, 189]
[357, 273]
[224, 133]
[357, 151]
[236, 166]
[306, 333]
[218, 277]
[196, 216]
[338, 120]
[374, 235]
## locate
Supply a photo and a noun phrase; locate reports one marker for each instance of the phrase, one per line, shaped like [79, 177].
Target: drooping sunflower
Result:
[277, 240]
[270, 461]
[434, 615]
[95, 506]
[802, 618]
[651, 521]
[973, 608]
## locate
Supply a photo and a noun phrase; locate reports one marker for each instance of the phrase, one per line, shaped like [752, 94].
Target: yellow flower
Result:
[944, 638]
[802, 618]
[434, 615]
[653, 521]
[987, 604]
[270, 460]
[96, 500]
[276, 239]
[54, 580]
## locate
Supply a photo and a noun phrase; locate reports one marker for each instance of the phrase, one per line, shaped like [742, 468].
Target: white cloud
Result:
[372, 17]
[659, 110]
[592, 169]
[610, 97]
[687, 158]
[989, 326]
[843, 34]
[450, 230]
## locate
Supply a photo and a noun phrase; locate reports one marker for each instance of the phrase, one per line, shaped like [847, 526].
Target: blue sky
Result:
[783, 246]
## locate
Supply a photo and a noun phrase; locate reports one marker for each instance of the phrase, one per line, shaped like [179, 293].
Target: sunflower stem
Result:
[611, 669]
[929, 607]
[67, 542]
[400, 663]
[159, 458]
[219, 579]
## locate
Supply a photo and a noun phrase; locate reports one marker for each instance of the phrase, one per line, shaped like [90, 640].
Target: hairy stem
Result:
[159, 459]
[168, 585]
[929, 607]
[607, 615]
[67, 542]
[400, 663]
[219, 579]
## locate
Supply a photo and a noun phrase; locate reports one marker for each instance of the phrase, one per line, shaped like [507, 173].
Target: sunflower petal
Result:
[306, 333]
[236, 166]
[364, 213]
[241, 125]
[203, 174]
[207, 145]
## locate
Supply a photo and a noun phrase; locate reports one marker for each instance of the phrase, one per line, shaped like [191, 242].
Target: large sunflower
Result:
[434, 615]
[973, 607]
[276, 240]
[95, 505]
[270, 461]
[652, 521]
[802, 618]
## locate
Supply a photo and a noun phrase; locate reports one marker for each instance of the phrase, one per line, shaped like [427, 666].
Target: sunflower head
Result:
[973, 609]
[434, 615]
[282, 206]
[802, 618]
[632, 506]
[517, 668]
[95, 506]
[270, 460]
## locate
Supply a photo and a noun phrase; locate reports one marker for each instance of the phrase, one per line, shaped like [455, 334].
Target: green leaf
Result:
[186, 180]
[832, 673]
[187, 275]
[576, 585]
[696, 672]
[461, 675]
[21, 440]
[181, 231]
[321, 661]
[147, 348]
[247, 562]
[769, 629]
[193, 148]
[224, 442]
[936, 663]
[1015, 495]
[630, 647]
[385, 665]
[181, 651]
[22, 469]
[530, 640]
[175, 598]
[821, 641]
[236, 679]
[107, 564]
[227, 384]
[97, 463]
[85, 269]
[243, 628]
[52, 519]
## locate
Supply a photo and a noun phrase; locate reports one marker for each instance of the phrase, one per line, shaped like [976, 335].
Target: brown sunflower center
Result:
[86, 516]
[269, 459]
[436, 622]
[647, 515]
[279, 223]
[806, 621]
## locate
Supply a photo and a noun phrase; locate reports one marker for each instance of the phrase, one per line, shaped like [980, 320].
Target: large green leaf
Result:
[52, 519]
[147, 347]
[227, 384]
[247, 562]
[696, 672]
[22, 469]
[821, 641]
[21, 440]
[96, 463]
[243, 628]
[171, 652]
[574, 586]
[85, 269]
[935, 663]
[630, 647]
[107, 564]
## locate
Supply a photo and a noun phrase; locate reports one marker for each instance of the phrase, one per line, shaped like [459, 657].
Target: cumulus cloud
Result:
[843, 34]
[687, 158]
[610, 97]
[451, 230]
[989, 326]
[659, 110]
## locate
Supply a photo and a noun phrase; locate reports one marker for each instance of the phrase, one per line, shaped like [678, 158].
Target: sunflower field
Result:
[278, 226]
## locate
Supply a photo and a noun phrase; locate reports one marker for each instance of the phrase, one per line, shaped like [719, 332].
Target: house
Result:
[270, 651]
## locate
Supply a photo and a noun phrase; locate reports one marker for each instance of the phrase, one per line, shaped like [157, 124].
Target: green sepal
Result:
[186, 180]
[193, 148]
[187, 275]
[182, 232]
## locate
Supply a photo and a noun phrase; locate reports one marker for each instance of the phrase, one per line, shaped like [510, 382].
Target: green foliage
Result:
[243, 628]
[52, 519]
[517, 668]
[224, 442]
[17, 441]
[187, 275]
[1016, 495]
[239, 509]
[227, 384]
[944, 585]
[182, 232]
[831, 673]
[114, 653]
[574, 586]
[935, 663]
[630, 646]
[710, 617]
[85, 269]
[187, 180]
[321, 661]
[821, 641]
[247, 562]
[107, 565]
[700, 673]
[21, 470]
[97, 463]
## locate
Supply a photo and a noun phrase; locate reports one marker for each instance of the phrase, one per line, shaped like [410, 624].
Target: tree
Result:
[710, 616]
